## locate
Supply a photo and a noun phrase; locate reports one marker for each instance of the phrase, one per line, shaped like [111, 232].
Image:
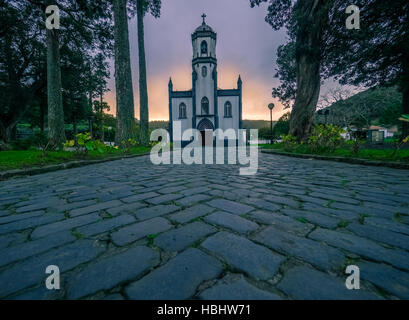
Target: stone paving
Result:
[128, 229]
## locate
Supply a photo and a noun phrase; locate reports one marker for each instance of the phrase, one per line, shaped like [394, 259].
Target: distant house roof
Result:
[376, 128]
[390, 129]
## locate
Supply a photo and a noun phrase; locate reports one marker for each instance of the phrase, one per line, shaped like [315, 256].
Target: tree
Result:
[282, 127]
[22, 64]
[307, 22]
[99, 108]
[85, 26]
[142, 7]
[359, 110]
[123, 77]
[56, 133]
[378, 53]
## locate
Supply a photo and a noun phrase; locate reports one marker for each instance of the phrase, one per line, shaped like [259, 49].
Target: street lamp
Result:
[271, 106]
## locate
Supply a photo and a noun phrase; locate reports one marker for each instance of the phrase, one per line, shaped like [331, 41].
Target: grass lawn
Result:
[10, 160]
[371, 154]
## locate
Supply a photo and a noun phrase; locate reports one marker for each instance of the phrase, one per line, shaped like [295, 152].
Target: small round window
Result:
[204, 72]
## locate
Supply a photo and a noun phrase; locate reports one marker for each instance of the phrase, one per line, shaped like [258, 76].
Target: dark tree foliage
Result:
[300, 61]
[376, 54]
[287, 73]
[85, 33]
[22, 63]
[282, 127]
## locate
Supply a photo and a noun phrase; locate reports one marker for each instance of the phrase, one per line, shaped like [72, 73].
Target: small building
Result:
[205, 107]
[377, 134]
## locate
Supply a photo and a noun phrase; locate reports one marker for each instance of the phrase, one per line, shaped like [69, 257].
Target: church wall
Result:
[204, 87]
[185, 123]
[227, 123]
[211, 45]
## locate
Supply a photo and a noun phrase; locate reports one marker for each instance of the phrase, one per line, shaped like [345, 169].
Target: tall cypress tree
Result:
[123, 77]
[142, 7]
[56, 133]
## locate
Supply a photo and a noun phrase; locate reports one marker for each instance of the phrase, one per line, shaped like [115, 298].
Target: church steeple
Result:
[204, 41]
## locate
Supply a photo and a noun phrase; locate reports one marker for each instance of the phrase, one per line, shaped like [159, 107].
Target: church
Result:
[205, 107]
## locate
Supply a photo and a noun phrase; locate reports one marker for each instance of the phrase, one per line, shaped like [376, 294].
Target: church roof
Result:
[203, 27]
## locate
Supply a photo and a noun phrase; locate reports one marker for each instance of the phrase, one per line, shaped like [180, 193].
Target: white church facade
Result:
[205, 107]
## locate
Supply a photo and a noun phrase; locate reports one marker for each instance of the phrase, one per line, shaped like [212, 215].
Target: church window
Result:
[182, 111]
[227, 110]
[204, 72]
[205, 106]
[203, 47]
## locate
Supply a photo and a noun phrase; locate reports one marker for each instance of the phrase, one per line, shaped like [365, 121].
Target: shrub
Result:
[289, 142]
[84, 144]
[325, 138]
[37, 141]
[20, 144]
[126, 145]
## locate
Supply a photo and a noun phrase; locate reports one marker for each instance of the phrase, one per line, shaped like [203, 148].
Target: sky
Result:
[246, 45]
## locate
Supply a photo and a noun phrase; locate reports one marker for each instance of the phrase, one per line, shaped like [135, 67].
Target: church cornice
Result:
[228, 92]
[181, 94]
[204, 60]
[204, 34]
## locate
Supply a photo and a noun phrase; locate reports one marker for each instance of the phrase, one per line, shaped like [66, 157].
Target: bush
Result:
[20, 144]
[126, 146]
[84, 144]
[37, 141]
[289, 142]
[325, 138]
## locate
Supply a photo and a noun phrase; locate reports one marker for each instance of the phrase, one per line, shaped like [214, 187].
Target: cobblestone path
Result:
[131, 230]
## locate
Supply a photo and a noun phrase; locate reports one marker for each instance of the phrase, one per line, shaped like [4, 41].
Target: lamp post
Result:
[271, 106]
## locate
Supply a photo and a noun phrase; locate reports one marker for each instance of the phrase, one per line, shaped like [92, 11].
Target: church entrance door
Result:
[206, 132]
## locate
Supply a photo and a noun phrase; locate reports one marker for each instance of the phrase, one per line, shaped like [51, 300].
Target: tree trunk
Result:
[313, 17]
[56, 132]
[42, 115]
[102, 119]
[405, 94]
[123, 77]
[75, 127]
[6, 131]
[143, 89]
[308, 89]
[405, 109]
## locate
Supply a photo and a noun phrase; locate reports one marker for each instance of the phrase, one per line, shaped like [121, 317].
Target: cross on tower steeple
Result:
[204, 17]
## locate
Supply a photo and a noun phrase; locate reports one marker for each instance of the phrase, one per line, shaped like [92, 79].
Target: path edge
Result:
[5, 175]
[390, 164]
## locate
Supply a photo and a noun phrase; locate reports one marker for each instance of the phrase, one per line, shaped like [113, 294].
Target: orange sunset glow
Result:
[246, 45]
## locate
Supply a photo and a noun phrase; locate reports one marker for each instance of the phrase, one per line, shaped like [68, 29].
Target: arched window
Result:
[227, 110]
[204, 71]
[182, 111]
[203, 47]
[205, 106]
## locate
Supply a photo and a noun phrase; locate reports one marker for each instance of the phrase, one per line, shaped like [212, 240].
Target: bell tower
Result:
[204, 76]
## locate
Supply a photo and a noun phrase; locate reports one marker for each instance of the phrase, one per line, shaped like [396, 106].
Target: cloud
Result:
[246, 45]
